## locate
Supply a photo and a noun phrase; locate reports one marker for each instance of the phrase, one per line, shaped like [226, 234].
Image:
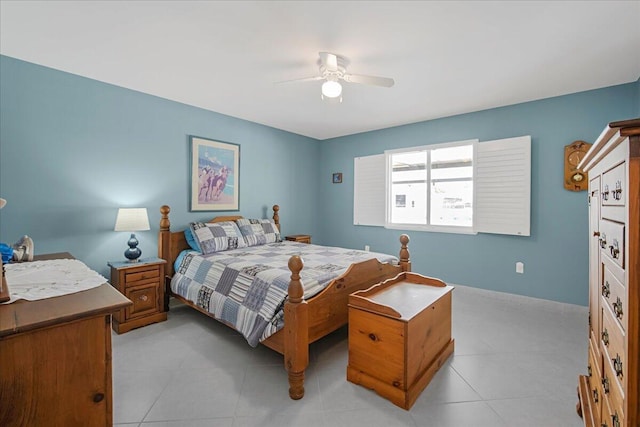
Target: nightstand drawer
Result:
[133, 278]
[145, 301]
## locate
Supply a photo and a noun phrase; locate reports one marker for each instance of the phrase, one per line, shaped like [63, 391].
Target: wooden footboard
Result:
[304, 321]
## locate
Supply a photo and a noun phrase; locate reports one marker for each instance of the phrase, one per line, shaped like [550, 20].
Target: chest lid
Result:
[402, 297]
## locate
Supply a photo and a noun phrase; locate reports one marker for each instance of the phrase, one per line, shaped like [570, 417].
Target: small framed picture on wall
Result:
[337, 178]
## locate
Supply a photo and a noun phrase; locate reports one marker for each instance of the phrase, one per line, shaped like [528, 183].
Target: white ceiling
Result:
[447, 58]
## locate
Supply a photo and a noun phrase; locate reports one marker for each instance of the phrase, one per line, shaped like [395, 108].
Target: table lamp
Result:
[132, 219]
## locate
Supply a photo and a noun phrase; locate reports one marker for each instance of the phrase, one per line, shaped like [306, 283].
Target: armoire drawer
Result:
[611, 389]
[614, 188]
[614, 296]
[613, 349]
[594, 371]
[612, 241]
[610, 417]
[594, 355]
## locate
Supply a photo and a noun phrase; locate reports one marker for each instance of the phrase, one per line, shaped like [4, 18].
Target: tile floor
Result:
[516, 363]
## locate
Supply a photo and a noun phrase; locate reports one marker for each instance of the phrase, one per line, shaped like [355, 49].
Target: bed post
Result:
[164, 235]
[405, 261]
[296, 338]
[276, 217]
[164, 250]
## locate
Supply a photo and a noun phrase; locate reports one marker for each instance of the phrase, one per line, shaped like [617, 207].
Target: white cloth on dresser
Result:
[47, 279]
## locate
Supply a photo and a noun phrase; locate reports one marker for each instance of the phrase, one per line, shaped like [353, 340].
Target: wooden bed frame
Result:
[304, 321]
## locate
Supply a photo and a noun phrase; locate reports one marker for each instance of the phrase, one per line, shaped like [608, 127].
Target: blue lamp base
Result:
[133, 253]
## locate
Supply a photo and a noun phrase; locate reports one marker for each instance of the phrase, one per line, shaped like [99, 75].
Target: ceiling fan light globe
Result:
[331, 89]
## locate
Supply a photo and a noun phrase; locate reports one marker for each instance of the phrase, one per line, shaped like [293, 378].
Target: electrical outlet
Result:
[520, 267]
[366, 248]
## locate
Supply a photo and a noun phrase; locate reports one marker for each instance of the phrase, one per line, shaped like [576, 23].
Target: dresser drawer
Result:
[614, 191]
[612, 241]
[145, 301]
[614, 295]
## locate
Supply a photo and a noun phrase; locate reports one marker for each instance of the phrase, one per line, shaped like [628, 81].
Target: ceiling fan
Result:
[333, 69]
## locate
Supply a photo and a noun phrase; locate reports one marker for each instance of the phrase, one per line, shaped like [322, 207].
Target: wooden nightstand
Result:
[301, 238]
[143, 283]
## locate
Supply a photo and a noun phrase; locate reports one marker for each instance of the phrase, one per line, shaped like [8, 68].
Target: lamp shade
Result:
[132, 219]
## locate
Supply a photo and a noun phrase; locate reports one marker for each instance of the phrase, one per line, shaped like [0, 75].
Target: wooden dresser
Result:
[55, 358]
[609, 393]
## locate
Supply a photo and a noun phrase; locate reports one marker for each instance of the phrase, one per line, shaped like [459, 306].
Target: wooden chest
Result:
[399, 336]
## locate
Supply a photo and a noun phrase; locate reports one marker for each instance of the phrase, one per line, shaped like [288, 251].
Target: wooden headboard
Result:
[171, 243]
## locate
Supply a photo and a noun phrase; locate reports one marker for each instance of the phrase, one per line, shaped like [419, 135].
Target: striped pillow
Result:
[259, 231]
[217, 236]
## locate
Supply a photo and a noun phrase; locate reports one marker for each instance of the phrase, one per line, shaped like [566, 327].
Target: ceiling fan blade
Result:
[330, 61]
[369, 80]
[304, 79]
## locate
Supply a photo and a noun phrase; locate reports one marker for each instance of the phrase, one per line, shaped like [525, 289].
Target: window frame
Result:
[428, 227]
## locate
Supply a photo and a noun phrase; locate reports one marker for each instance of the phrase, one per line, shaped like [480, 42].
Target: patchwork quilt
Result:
[246, 288]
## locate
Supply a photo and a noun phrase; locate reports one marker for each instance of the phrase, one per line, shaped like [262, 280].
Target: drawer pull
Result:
[373, 337]
[615, 419]
[595, 395]
[617, 365]
[605, 385]
[603, 240]
[617, 308]
[596, 233]
[615, 249]
[605, 193]
[589, 372]
[98, 397]
[143, 298]
[606, 289]
[605, 337]
[617, 193]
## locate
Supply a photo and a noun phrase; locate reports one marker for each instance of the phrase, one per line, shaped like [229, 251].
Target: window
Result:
[463, 187]
[434, 184]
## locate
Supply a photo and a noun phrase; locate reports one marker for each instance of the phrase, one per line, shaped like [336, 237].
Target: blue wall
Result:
[73, 150]
[555, 255]
[638, 98]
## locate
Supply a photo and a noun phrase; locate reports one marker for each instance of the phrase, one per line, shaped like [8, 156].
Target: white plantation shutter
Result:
[502, 187]
[502, 184]
[369, 190]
